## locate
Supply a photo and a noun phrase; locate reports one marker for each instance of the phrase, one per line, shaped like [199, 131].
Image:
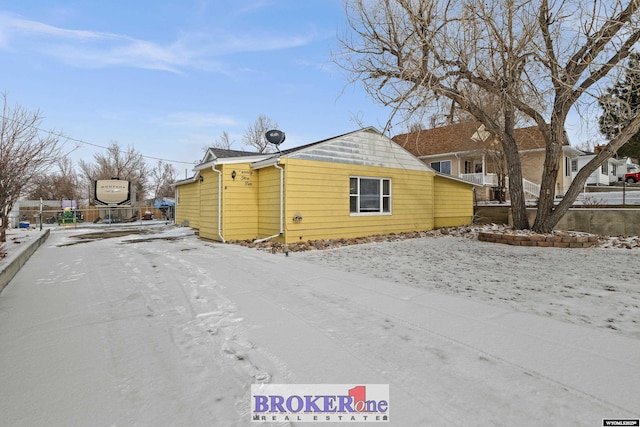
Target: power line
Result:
[106, 148]
[80, 141]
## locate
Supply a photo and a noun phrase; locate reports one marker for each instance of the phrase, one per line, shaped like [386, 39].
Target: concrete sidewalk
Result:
[20, 245]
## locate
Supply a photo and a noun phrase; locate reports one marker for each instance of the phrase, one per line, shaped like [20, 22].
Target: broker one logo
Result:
[320, 402]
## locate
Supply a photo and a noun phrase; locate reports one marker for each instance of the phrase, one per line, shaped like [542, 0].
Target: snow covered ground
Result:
[595, 287]
[152, 326]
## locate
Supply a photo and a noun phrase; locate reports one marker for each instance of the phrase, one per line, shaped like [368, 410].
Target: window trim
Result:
[381, 196]
[440, 168]
[468, 166]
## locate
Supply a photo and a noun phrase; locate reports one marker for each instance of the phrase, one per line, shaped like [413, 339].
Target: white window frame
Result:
[574, 165]
[381, 196]
[441, 162]
[468, 166]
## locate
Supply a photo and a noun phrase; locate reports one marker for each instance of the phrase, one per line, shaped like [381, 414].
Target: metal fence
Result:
[29, 215]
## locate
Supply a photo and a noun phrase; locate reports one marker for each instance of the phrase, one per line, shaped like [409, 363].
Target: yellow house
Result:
[353, 185]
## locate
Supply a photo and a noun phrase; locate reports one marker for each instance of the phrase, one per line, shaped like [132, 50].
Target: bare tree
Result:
[126, 164]
[162, 176]
[58, 185]
[254, 134]
[223, 141]
[537, 59]
[25, 152]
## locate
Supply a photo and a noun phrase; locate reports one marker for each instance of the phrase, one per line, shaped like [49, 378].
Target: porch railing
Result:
[531, 187]
[480, 178]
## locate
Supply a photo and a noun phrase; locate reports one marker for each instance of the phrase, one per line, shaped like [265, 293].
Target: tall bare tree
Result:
[223, 141]
[126, 164]
[162, 176]
[254, 134]
[57, 185]
[538, 59]
[25, 152]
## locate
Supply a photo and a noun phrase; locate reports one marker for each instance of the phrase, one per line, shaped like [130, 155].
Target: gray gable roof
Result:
[214, 153]
[367, 147]
[221, 152]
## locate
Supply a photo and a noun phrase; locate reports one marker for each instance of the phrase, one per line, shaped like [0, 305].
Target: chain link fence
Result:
[29, 213]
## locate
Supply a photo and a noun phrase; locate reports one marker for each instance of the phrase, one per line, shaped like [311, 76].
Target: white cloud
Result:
[83, 48]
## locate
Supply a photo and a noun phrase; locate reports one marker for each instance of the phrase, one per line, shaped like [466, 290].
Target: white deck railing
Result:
[491, 179]
[480, 178]
[531, 187]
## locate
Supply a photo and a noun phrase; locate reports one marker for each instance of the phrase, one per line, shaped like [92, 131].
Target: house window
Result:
[574, 165]
[478, 167]
[369, 195]
[468, 166]
[442, 167]
[177, 196]
[605, 168]
[567, 166]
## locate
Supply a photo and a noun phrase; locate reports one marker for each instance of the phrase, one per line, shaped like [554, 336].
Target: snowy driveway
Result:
[168, 330]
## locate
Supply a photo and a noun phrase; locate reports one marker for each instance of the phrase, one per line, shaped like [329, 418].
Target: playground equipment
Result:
[66, 217]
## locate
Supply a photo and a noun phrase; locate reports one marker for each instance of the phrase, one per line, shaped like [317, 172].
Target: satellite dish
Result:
[275, 137]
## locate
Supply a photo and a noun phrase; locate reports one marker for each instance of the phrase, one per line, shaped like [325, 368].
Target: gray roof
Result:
[222, 153]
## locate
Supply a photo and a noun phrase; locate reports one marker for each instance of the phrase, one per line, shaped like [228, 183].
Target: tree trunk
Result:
[516, 192]
[3, 228]
[548, 217]
[514, 171]
[545, 218]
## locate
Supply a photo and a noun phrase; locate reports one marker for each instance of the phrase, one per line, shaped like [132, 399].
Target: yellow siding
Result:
[453, 202]
[269, 202]
[240, 202]
[209, 204]
[187, 206]
[319, 192]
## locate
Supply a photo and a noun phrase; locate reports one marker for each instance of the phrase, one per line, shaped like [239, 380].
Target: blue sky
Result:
[168, 77]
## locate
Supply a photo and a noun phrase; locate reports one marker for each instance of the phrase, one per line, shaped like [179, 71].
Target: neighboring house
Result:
[353, 185]
[467, 151]
[608, 173]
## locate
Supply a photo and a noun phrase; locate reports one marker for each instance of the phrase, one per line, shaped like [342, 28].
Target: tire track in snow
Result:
[212, 323]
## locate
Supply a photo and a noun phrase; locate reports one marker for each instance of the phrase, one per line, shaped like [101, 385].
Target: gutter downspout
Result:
[219, 203]
[281, 205]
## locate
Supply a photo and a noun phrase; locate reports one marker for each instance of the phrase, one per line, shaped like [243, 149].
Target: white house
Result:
[608, 173]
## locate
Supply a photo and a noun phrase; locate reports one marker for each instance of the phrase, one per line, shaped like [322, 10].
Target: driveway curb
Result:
[10, 267]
